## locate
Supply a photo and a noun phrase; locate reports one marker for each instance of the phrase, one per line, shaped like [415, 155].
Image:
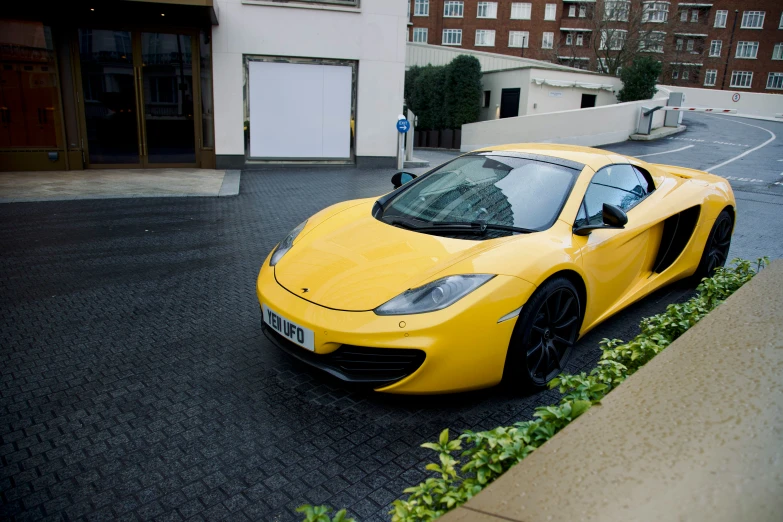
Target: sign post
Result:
[403, 126]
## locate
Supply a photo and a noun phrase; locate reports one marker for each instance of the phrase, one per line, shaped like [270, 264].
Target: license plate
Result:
[300, 335]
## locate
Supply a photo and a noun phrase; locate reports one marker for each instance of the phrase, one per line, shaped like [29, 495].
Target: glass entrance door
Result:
[138, 94]
[167, 79]
[109, 97]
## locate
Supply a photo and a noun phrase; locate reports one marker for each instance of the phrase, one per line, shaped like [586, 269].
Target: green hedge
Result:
[446, 96]
[481, 457]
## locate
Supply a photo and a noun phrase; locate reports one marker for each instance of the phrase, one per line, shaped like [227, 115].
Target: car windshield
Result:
[493, 189]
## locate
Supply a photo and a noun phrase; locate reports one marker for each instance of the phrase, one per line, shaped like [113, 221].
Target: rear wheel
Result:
[716, 251]
[544, 335]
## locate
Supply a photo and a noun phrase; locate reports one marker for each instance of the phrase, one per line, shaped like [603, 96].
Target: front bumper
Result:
[464, 346]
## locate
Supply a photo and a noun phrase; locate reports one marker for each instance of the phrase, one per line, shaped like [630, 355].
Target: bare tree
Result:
[615, 32]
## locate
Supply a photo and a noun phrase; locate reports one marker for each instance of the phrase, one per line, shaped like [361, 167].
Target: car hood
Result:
[352, 261]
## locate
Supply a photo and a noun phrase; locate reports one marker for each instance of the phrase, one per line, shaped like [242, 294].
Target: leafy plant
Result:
[489, 454]
[321, 514]
[445, 96]
[639, 79]
[462, 91]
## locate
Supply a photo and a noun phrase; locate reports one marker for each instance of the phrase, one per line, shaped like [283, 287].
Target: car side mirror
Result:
[612, 217]
[401, 178]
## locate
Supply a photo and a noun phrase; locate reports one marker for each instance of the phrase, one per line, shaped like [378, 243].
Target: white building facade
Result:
[308, 81]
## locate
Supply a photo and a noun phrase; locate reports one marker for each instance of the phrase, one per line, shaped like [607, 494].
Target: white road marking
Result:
[715, 142]
[773, 138]
[664, 152]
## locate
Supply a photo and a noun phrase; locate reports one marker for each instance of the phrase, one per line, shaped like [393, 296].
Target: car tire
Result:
[716, 250]
[544, 336]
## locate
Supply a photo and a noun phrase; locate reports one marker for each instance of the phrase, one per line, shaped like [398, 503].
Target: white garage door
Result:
[299, 111]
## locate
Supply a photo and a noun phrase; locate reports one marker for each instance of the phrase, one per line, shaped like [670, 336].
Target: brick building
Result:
[723, 44]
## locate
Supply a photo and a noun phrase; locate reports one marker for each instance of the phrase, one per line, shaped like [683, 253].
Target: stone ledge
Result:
[694, 435]
[656, 134]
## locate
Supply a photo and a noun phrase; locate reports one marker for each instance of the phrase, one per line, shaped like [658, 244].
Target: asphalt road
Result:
[136, 384]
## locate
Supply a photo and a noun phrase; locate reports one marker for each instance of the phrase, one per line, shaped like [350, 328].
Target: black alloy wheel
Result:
[544, 335]
[716, 251]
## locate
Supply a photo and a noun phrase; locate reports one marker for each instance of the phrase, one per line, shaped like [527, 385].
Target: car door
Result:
[614, 260]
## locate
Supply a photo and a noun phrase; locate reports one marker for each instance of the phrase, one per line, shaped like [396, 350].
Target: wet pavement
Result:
[136, 382]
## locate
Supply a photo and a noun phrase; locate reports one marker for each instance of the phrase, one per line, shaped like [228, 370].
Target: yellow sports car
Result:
[488, 268]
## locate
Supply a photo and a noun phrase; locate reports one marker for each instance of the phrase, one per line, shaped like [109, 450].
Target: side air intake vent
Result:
[677, 232]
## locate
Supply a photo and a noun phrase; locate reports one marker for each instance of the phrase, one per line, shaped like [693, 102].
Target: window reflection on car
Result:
[491, 189]
[624, 186]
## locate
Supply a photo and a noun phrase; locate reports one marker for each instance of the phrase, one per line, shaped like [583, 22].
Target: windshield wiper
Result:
[460, 227]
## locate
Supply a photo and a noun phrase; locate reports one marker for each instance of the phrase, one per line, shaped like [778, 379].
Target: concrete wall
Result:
[750, 103]
[425, 54]
[693, 435]
[374, 34]
[547, 99]
[495, 82]
[590, 127]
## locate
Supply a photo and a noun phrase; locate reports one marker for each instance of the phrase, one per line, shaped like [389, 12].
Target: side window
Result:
[645, 180]
[618, 185]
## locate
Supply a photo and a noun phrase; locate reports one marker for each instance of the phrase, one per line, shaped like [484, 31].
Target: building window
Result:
[655, 12]
[485, 38]
[453, 9]
[487, 95]
[716, 46]
[753, 19]
[583, 11]
[710, 77]
[548, 41]
[419, 35]
[572, 10]
[675, 75]
[421, 8]
[694, 18]
[777, 52]
[614, 39]
[569, 39]
[679, 44]
[747, 50]
[550, 11]
[780, 26]
[487, 10]
[686, 74]
[521, 11]
[452, 37]
[742, 79]
[684, 15]
[616, 10]
[653, 42]
[580, 40]
[720, 18]
[518, 39]
[775, 81]
[690, 46]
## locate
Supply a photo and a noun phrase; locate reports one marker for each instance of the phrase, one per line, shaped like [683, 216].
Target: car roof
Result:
[593, 158]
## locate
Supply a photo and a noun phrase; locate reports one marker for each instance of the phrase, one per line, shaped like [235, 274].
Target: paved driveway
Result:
[136, 383]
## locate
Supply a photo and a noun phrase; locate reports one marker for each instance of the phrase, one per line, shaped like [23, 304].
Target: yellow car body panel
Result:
[345, 263]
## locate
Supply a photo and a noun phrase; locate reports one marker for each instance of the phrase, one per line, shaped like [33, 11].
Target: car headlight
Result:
[286, 244]
[436, 295]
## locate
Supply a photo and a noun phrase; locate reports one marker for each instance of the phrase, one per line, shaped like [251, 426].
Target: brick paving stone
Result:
[136, 381]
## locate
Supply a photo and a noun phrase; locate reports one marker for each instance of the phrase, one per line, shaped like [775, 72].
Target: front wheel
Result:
[544, 336]
[716, 251]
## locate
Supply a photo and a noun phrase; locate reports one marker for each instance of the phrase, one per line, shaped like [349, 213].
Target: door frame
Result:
[138, 85]
[513, 90]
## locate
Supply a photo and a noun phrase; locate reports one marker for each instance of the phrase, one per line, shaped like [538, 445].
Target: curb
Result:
[668, 131]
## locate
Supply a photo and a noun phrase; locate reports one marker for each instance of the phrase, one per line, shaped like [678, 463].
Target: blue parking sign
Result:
[403, 126]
